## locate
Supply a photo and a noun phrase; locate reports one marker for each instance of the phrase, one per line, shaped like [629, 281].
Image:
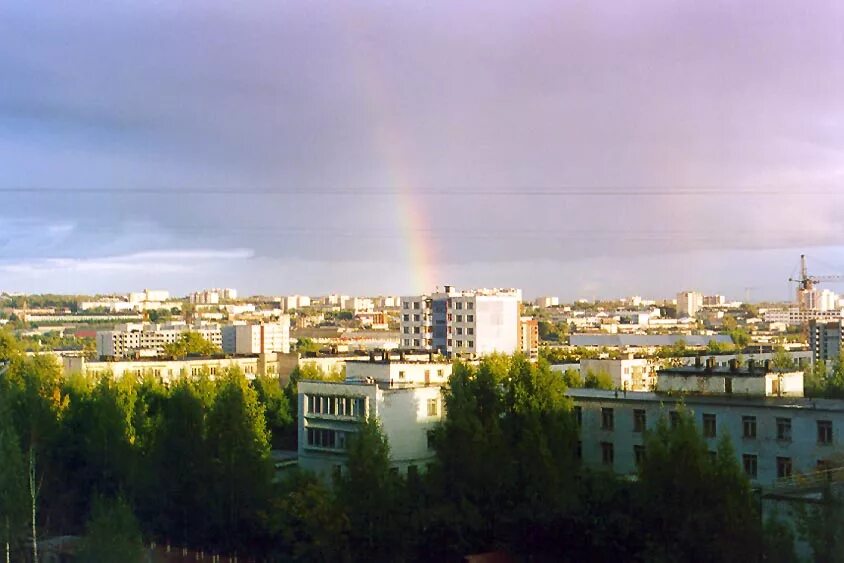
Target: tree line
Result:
[132, 460]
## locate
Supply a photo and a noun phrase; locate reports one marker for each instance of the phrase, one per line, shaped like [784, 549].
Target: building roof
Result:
[834, 405]
[644, 340]
[743, 371]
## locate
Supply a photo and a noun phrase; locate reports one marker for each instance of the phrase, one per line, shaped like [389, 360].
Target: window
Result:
[639, 420]
[674, 418]
[824, 432]
[405, 318]
[607, 453]
[470, 343]
[748, 424]
[750, 463]
[401, 374]
[784, 429]
[433, 407]
[639, 454]
[431, 437]
[416, 318]
[709, 425]
[460, 331]
[459, 318]
[412, 472]
[607, 419]
[470, 331]
[470, 318]
[578, 416]
[459, 305]
[470, 305]
[783, 467]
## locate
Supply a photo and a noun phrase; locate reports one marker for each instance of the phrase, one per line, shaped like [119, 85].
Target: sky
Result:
[571, 148]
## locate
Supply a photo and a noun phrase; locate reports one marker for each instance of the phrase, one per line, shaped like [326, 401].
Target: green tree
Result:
[782, 359]
[599, 380]
[822, 525]
[779, 541]
[112, 534]
[572, 378]
[306, 345]
[240, 461]
[13, 491]
[277, 411]
[679, 472]
[191, 344]
[376, 527]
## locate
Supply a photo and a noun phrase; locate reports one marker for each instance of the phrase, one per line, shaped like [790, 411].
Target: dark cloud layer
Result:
[660, 130]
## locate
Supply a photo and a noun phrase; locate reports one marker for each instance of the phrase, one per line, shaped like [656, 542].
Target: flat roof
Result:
[688, 371]
[834, 405]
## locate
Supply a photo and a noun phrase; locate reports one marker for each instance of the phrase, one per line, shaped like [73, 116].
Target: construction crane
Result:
[806, 285]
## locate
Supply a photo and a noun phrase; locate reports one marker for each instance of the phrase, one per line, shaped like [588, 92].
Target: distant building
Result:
[825, 340]
[714, 301]
[689, 303]
[257, 338]
[796, 316]
[630, 374]
[544, 302]
[529, 337]
[158, 295]
[292, 302]
[144, 339]
[756, 379]
[404, 395]
[462, 323]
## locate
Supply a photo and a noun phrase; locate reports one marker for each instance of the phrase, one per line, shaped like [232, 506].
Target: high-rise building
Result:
[529, 337]
[240, 339]
[548, 301]
[462, 323]
[714, 301]
[825, 340]
[689, 303]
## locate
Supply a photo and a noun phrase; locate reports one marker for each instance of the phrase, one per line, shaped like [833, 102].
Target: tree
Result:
[599, 380]
[191, 344]
[695, 506]
[112, 534]
[572, 378]
[779, 541]
[306, 345]
[240, 460]
[13, 495]
[822, 525]
[782, 359]
[376, 529]
[277, 411]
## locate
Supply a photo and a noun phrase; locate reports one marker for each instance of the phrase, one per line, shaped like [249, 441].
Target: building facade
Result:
[257, 338]
[631, 374]
[773, 437]
[144, 339]
[689, 303]
[403, 395]
[462, 323]
[825, 340]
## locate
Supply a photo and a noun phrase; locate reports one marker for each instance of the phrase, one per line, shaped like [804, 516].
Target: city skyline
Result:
[581, 151]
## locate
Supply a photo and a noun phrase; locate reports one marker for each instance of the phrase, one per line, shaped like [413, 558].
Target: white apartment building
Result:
[631, 374]
[257, 338]
[796, 316]
[404, 395]
[689, 303]
[168, 370]
[143, 339]
[773, 437]
[544, 302]
[462, 323]
[291, 302]
[756, 379]
[155, 295]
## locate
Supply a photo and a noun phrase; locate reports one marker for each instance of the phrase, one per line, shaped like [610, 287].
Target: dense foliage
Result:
[189, 464]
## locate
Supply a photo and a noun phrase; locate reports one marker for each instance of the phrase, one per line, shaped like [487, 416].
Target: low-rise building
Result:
[404, 395]
[630, 373]
[773, 437]
[145, 339]
[754, 379]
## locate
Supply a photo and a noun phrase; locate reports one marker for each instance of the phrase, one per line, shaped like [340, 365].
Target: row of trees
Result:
[190, 464]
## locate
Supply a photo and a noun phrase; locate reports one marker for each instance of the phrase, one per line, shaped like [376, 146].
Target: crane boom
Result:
[807, 284]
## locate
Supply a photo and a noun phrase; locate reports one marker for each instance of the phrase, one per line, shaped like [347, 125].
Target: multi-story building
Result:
[404, 395]
[166, 370]
[204, 297]
[825, 340]
[544, 302]
[714, 301]
[462, 323]
[796, 316]
[155, 295]
[689, 303]
[529, 337]
[773, 437]
[143, 339]
[257, 338]
[291, 302]
[630, 373]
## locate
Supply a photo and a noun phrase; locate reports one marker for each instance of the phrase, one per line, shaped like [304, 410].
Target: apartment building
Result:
[529, 337]
[257, 338]
[403, 394]
[144, 339]
[462, 323]
[630, 373]
[773, 437]
[291, 302]
[825, 340]
[689, 303]
[547, 301]
[796, 316]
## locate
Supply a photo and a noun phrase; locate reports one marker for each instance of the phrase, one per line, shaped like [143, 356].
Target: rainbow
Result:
[390, 143]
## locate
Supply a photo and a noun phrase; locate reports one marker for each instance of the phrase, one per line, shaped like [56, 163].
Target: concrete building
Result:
[144, 339]
[544, 302]
[752, 379]
[167, 370]
[714, 301]
[529, 337]
[689, 303]
[795, 316]
[631, 374]
[257, 338]
[774, 437]
[292, 302]
[404, 395]
[156, 295]
[825, 340]
[462, 323]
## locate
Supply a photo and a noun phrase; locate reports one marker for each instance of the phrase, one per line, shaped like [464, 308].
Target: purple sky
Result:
[574, 148]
